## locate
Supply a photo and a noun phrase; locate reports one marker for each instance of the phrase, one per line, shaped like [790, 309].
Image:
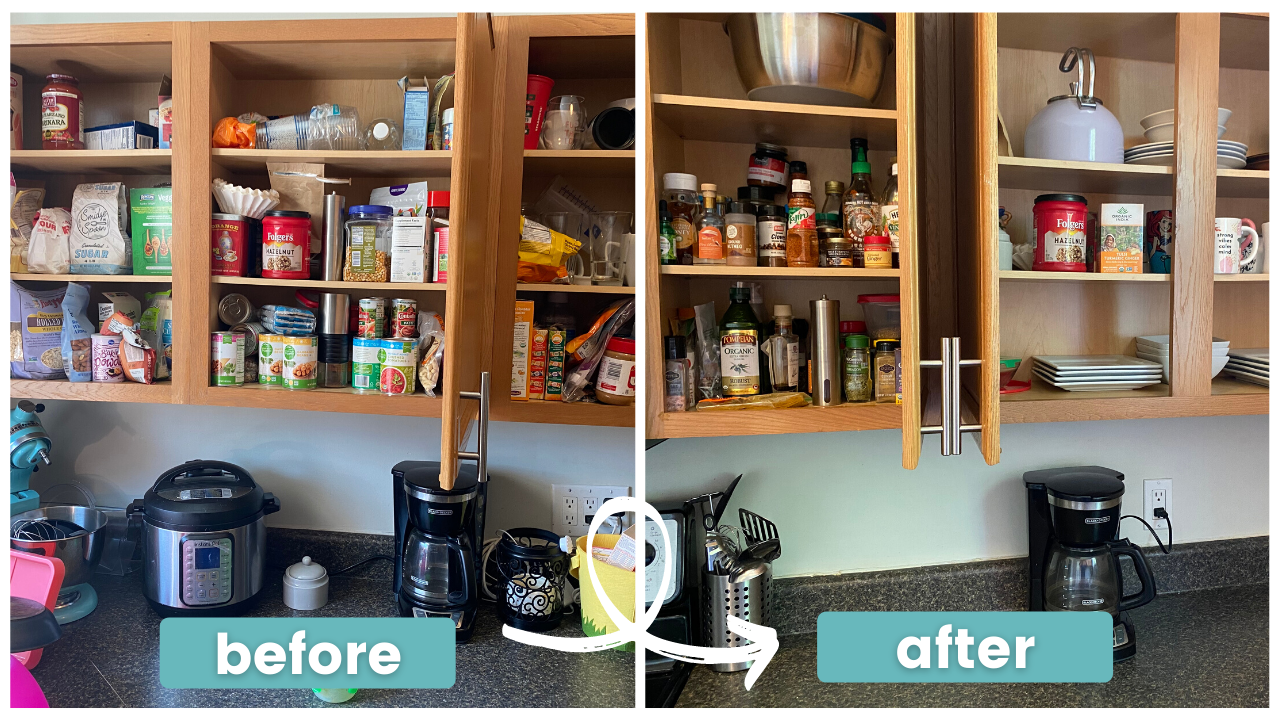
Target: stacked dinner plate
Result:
[1156, 349]
[1085, 373]
[1231, 154]
[1252, 365]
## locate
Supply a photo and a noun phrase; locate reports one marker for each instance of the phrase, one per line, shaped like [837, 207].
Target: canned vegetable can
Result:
[371, 318]
[399, 360]
[270, 360]
[227, 359]
[366, 367]
[301, 361]
[404, 323]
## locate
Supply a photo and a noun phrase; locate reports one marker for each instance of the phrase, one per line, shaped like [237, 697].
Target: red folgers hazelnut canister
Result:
[230, 245]
[1061, 224]
[286, 245]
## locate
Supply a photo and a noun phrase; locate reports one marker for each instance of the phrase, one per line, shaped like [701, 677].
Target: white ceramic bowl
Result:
[1217, 364]
[1162, 343]
[1164, 132]
[1166, 117]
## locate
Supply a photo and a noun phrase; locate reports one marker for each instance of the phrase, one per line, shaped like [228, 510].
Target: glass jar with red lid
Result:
[1061, 230]
[61, 114]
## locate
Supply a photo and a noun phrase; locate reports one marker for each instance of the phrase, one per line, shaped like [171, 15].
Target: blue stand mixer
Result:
[28, 447]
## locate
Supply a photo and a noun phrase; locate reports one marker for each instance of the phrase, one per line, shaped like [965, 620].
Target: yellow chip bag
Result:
[543, 253]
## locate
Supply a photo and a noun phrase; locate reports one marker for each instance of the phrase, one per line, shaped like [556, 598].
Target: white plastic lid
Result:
[381, 131]
[782, 311]
[680, 181]
[306, 574]
[801, 186]
[447, 116]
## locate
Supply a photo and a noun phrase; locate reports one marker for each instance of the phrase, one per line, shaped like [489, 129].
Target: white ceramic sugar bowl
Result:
[306, 585]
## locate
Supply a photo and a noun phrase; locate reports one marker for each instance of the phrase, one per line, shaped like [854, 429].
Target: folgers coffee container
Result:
[286, 245]
[1060, 230]
[230, 245]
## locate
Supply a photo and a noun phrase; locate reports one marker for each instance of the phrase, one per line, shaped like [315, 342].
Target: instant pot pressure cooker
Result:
[203, 539]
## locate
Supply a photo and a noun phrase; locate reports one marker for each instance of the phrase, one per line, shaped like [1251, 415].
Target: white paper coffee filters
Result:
[245, 201]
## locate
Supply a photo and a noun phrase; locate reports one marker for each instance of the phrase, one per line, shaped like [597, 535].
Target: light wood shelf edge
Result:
[129, 392]
[37, 277]
[695, 101]
[810, 419]
[1073, 165]
[587, 289]
[562, 413]
[787, 272]
[326, 284]
[1034, 276]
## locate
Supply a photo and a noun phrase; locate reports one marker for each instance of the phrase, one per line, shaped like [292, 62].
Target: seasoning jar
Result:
[677, 376]
[771, 236]
[368, 257]
[438, 255]
[768, 166]
[616, 381]
[755, 198]
[857, 369]
[286, 245]
[886, 371]
[1060, 226]
[877, 251]
[834, 249]
[680, 190]
[740, 236]
[802, 227]
[61, 114]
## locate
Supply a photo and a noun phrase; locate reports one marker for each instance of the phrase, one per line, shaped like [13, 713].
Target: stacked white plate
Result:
[1156, 349]
[1231, 154]
[1251, 365]
[1085, 373]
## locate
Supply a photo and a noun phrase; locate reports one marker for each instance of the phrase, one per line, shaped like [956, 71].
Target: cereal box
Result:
[151, 216]
[1120, 230]
[520, 350]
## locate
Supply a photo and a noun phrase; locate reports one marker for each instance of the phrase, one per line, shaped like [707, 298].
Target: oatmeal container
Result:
[270, 360]
[366, 364]
[301, 358]
[105, 355]
[227, 360]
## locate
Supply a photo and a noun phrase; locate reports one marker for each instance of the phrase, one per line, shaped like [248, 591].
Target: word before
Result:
[269, 657]
[993, 652]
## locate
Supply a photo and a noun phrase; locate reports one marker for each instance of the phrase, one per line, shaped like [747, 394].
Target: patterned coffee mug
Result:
[1159, 246]
[1235, 244]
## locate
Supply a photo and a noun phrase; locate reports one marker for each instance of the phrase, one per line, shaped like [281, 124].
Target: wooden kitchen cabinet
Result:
[700, 122]
[1146, 63]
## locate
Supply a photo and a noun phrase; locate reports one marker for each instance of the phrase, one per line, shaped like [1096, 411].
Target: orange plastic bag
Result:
[231, 133]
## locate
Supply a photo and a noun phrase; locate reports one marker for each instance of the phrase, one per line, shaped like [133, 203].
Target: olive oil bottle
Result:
[739, 346]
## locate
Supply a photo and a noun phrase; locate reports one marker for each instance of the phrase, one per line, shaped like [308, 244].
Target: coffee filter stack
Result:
[249, 202]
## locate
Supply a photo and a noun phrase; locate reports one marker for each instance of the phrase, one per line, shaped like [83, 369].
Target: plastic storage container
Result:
[883, 316]
[368, 253]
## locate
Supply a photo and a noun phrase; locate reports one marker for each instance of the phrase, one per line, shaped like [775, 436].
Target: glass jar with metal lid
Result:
[768, 166]
[835, 250]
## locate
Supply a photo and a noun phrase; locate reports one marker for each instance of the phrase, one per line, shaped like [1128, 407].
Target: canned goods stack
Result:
[384, 352]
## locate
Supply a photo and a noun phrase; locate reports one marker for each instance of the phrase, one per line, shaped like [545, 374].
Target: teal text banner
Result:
[940, 647]
[307, 653]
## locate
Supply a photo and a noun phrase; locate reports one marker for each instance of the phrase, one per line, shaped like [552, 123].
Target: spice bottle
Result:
[835, 200]
[709, 249]
[834, 249]
[877, 252]
[667, 238]
[861, 209]
[677, 376]
[771, 236]
[802, 227]
[681, 193]
[857, 369]
[782, 352]
[886, 371]
[889, 210]
[739, 346]
[740, 235]
[61, 114]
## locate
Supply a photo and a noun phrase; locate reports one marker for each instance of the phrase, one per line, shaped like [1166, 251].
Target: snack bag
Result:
[77, 334]
[24, 205]
[543, 253]
[590, 347]
[137, 359]
[231, 133]
[431, 334]
[156, 328]
[117, 324]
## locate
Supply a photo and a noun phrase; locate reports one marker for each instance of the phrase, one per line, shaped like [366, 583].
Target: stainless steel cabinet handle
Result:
[481, 455]
[951, 427]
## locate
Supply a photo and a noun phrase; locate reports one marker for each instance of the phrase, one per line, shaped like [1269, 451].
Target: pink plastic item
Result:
[35, 578]
[24, 691]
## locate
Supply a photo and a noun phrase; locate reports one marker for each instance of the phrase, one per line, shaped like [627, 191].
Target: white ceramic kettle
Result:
[1076, 126]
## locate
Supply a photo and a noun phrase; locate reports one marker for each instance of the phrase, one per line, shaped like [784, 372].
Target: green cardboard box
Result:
[151, 224]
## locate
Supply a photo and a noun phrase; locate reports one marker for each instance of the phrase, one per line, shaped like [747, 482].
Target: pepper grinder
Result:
[824, 352]
[335, 308]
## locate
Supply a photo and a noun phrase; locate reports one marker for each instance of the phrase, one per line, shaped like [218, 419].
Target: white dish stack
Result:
[1158, 129]
[1251, 365]
[1156, 349]
[1093, 373]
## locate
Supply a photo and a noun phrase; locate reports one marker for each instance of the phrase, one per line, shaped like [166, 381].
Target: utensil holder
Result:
[751, 600]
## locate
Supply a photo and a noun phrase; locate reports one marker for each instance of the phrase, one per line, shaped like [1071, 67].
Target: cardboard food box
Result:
[151, 220]
[538, 364]
[119, 302]
[164, 99]
[521, 349]
[122, 136]
[408, 248]
[1120, 231]
[556, 339]
[417, 110]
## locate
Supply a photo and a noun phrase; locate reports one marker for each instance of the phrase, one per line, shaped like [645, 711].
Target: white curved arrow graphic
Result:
[764, 640]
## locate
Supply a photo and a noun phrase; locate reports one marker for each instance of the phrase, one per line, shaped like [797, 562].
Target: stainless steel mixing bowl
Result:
[79, 553]
[810, 58]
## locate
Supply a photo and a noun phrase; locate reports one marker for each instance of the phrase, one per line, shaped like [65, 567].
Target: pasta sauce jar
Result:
[1060, 228]
[61, 114]
[768, 166]
[286, 245]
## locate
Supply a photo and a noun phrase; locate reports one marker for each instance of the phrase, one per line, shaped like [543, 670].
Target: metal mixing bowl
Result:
[79, 554]
[810, 58]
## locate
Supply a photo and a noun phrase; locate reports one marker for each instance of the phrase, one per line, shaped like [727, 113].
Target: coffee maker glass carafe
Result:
[438, 570]
[1081, 579]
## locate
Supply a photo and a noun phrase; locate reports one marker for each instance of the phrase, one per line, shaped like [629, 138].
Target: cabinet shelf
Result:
[91, 162]
[584, 163]
[38, 277]
[339, 163]
[722, 423]
[1084, 177]
[1244, 183]
[1260, 277]
[1045, 403]
[781, 272]
[128, 392]
[748, 121]
[343, 400]
[562, 413]
[326, 284]
[1034, 276]
[588, 289]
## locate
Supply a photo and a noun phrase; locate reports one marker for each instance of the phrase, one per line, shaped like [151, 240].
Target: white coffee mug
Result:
[1232, 244]
[1263, 238]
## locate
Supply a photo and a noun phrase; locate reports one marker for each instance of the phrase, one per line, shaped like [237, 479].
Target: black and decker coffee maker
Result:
[438, 535]
[1073, 518]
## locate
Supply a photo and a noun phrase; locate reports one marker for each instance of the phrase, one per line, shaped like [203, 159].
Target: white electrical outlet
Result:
[1156, 494]
[574, 506]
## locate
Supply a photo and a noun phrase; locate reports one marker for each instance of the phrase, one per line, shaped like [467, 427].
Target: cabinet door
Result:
[475, 174]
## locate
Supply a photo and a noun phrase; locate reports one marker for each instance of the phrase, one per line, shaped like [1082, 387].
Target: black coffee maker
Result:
[1073, 517]
[438, 535]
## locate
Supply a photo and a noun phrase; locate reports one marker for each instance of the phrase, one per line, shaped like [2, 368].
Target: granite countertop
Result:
[111, 659]
[1205, 648]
